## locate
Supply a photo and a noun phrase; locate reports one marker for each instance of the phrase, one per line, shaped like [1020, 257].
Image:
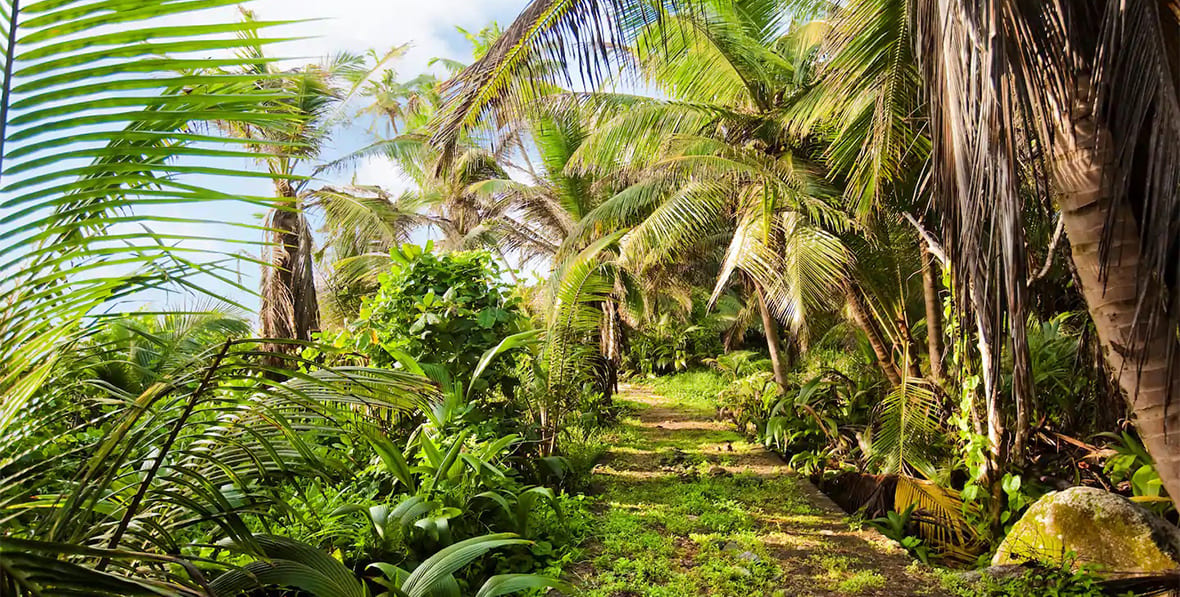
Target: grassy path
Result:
[690, 508]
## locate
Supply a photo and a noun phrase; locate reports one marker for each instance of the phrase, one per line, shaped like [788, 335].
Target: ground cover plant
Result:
[657, 269]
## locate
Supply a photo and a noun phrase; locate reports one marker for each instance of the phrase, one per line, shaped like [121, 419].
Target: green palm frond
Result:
[909, 421]
[681, 220]
[867, 101]
[117, 435]
[361, 219]
[524, 59]
[799, 266]
[637, 138]
[203, 442]
[290, 564]
[46, 567]
[99, 132]
[578, 285]
[732, 41]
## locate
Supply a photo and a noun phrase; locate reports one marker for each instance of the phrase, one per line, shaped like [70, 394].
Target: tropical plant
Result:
[1044, 114]
[666, 345]
[292, 564]
[908, 437]
[103, 114]
[443, 310]
[204, 444]
[435, 575]
[896, 526]
[317, 95]
[747, 401]
[1133, 466]
[1107, 157]
[308, 98]
[739, 363]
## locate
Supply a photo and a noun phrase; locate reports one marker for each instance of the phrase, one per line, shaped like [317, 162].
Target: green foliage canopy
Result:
[439, 309]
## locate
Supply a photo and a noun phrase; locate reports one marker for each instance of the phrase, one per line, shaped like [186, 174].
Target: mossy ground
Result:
[689, 507]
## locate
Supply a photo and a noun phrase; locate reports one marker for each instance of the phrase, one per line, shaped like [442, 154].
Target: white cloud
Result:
[381, 171]
[358, 25]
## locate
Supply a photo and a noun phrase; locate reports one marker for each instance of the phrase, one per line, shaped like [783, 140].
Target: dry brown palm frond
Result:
[940, 518]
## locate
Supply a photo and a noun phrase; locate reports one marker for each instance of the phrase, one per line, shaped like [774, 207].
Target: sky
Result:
[429, 26]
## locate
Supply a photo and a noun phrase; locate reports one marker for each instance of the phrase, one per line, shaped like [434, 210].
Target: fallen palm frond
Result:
[940, 518]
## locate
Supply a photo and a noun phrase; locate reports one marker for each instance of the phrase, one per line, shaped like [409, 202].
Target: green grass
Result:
[861, 581]
[676, 536]
[685, 533]
[696, 390]
[845, 574]
[669, 524]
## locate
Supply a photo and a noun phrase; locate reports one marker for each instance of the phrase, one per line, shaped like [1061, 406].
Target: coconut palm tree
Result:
[290, 309]
[103, 119]
[1049, 105]
[998, 132]
[1045, 102]
[716, 167]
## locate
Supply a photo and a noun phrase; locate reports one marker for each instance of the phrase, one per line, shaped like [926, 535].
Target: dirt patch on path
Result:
[689, 507]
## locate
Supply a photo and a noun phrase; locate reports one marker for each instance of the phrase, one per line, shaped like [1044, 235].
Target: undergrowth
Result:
[671, 523]
[696, 389]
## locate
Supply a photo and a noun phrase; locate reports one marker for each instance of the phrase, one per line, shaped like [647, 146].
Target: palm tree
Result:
[96, 136]
[361, 225]
[1049, 105]
[1044, 103]
[716, 167]
[290, 309]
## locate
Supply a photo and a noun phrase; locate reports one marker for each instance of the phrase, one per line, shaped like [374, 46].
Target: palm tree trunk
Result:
[996, 439]
[930, 292]
[884, 353]
[610, 347]
[1140, 347]
[289, 309]
[770, 329]
[913, 368]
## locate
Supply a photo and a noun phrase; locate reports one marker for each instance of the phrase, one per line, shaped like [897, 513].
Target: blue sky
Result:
[356, 26]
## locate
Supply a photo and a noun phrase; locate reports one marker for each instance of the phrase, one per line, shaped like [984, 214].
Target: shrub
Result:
[444, 310]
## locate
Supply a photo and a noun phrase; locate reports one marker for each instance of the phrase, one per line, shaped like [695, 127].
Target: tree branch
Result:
[932, 243]
[1057, 233]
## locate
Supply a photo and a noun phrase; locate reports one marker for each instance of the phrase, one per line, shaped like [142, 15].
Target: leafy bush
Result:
[748, 400]
[292, 564]
[1133, 469]
[445, 310]
[670, 346]
[821, 425]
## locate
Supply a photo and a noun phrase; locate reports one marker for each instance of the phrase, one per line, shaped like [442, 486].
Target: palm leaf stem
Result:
[165, 448]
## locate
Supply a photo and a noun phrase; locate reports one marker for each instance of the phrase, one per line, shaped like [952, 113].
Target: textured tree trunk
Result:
[1142, 357]
[610, 347]
[876, 341]
[1010, 222]
[770, 328]
[912, 356]
[289, 309]
[997, 444]
[930, 292]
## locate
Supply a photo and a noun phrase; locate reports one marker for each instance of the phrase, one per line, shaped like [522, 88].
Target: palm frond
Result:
[940, 517]
[133, 89]
[578, 285]
[546, 33]
[908, 423]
